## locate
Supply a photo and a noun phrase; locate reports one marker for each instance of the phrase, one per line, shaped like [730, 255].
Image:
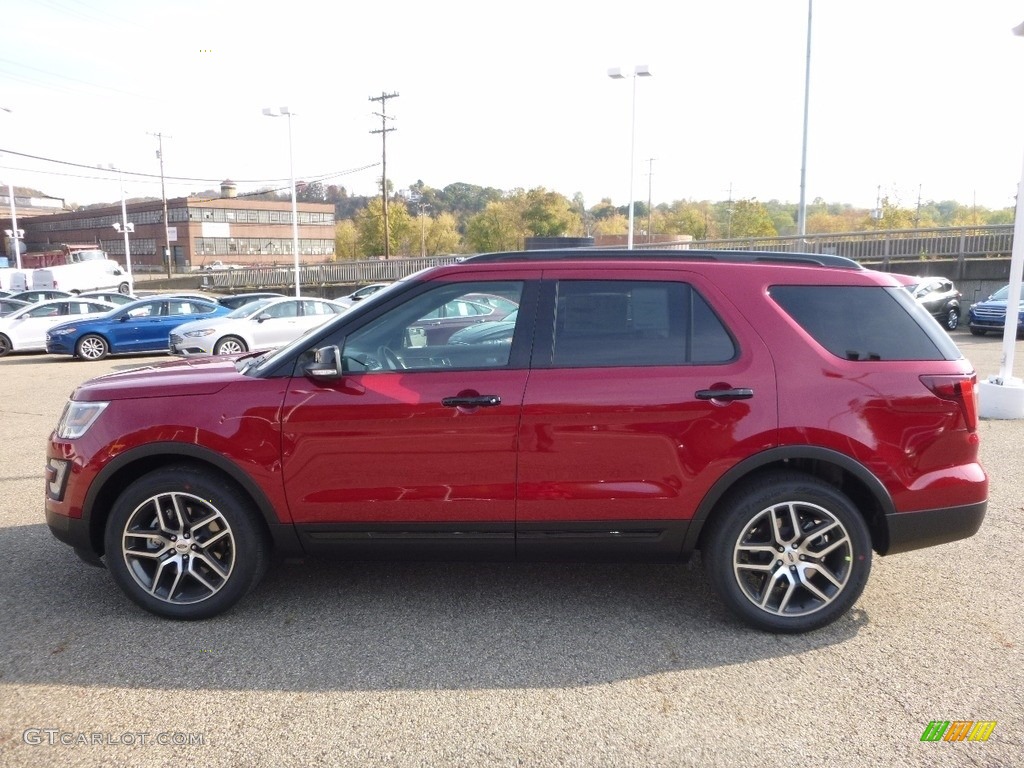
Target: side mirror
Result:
[326, 364]
[262, 317]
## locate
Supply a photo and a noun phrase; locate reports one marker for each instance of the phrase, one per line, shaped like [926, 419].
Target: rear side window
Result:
[603, 323]
[866, 322]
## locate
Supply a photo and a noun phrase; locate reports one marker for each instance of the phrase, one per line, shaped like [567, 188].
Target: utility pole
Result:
[163, 194]
[423, 229]
[384, 131]
[650, 174]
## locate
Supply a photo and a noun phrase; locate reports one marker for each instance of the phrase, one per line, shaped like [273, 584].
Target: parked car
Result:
[990, 314]
[111, 297]
[241, 299]
[142, 326]
[262, 324]
[218, 266]
[9, 305]
[441, 322]
[489, 332]
[361, 293]
[24, 330]
[936, 294]
[38, 295]
[650, 404]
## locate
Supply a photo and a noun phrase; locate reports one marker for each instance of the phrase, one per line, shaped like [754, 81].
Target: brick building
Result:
[230, 229]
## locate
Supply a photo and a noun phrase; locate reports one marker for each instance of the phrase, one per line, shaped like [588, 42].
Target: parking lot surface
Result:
[411, 664]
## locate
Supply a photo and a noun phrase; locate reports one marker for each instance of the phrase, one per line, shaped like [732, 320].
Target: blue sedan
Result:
[142, 326]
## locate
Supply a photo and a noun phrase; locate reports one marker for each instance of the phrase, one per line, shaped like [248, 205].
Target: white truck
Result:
[94, 275]
[14, 280]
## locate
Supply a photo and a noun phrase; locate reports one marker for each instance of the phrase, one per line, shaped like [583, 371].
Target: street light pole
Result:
[423, 230]
[285, 112]
[125, 226]
[640, 70]
[802, 215]
[14, 233]
[163, 194]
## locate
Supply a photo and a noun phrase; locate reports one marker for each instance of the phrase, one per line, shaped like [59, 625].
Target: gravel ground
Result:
[479, 665]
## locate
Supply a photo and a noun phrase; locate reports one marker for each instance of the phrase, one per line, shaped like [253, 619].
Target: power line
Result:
[140, 175]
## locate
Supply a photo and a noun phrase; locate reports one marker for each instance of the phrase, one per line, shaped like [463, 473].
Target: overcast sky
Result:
[913, 96]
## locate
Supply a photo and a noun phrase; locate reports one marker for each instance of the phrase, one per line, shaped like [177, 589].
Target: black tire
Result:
[5, 345]
[778, 578]
[230, 345]
[92, 346]
[124, 288]
[952, 318]
[172, 567]
[977, 332]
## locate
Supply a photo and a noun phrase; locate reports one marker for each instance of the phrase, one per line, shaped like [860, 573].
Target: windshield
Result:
[250, 309]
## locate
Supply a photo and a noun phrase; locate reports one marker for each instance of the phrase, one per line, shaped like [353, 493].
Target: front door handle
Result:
[738, 393]
[479, 401]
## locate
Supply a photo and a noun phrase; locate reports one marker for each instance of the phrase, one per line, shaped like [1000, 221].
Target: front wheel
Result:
[230, 345]
[952, 318]
[184, 544]
[788, 553]
[92, 347]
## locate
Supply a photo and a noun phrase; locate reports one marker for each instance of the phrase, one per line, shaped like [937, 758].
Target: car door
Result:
[28, 330]
[276, 325]
[414, 447]
[646, 386]
[135, 328]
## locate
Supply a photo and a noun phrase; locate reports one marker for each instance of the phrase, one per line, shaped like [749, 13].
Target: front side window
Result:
[604, 323]
[446, 327]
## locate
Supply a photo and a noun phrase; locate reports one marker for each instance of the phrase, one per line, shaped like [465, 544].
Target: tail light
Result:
[962, 389]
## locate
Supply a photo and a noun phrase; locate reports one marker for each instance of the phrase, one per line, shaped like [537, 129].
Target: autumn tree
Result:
[401, 228]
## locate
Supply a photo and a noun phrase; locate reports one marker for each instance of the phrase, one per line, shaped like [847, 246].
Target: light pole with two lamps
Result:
[285, 112]
[640, 70]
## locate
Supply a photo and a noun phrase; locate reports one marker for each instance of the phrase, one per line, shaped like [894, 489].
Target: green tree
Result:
[748, 218]
[549, 214]
[443, 235]
[497, 228]
[401, 227]
[346, 240]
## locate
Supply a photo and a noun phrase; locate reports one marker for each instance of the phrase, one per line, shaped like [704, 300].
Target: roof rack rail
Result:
[739, 257]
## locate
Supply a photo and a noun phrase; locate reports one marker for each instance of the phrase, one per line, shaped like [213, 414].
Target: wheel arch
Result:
[131, 465]
[864, 489]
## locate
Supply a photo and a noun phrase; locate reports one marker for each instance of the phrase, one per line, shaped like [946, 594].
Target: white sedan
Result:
[263, 324]
[24, 330]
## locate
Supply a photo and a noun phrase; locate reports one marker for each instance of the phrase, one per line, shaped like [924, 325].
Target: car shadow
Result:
[379, 626]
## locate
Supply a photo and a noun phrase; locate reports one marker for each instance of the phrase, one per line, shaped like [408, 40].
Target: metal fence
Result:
[878, 247]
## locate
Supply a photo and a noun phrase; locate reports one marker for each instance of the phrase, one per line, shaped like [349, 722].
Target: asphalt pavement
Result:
[409, 664]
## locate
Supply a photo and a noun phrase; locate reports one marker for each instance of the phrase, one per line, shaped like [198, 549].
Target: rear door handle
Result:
[738, 393]
[479, 401]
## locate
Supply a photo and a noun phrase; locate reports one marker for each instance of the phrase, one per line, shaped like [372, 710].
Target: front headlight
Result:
[200, 332]
[77, 418]
[61, 331]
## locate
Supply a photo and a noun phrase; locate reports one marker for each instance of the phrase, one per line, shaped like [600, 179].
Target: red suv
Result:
[784, 414]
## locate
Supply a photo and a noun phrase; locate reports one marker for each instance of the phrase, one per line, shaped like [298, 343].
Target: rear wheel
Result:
[92, 347]
[230, 345]
[184, 544]
[124, 288]
[788, 553]
[5, 345]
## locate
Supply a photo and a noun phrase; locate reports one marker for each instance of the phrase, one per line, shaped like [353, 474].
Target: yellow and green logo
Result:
[958, 730]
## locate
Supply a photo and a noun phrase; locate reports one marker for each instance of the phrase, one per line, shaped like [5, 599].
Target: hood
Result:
[176, 378]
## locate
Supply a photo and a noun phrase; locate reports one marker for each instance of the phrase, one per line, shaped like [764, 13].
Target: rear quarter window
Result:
[866, 322]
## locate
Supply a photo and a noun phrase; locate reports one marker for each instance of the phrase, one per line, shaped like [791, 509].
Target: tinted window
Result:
[601, 323]
[866, 322]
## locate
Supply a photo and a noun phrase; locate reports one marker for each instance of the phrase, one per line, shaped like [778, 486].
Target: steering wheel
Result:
[390, 359]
